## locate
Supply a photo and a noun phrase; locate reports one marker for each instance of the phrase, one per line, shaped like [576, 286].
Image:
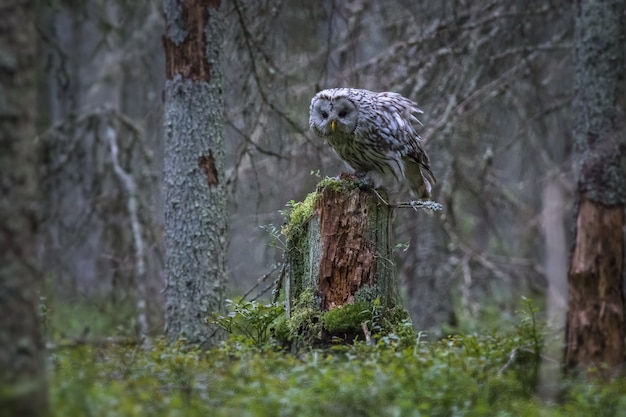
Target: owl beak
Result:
[333, 125]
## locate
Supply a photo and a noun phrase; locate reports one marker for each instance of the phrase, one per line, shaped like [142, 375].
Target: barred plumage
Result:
[374, 132]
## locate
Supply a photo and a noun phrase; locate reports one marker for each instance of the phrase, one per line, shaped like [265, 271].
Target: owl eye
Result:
[324, 114]
[342, 113]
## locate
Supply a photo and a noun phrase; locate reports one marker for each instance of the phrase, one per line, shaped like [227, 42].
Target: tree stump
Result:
[340, 269]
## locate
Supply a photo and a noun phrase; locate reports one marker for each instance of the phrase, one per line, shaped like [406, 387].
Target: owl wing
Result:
[397, 114]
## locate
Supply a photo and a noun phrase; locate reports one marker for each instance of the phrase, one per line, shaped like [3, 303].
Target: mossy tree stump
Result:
[339, 254]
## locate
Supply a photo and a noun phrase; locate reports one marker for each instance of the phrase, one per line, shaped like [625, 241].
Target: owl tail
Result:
[419, 176]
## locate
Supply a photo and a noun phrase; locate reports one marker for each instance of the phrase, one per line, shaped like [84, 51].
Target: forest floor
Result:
[401, 374]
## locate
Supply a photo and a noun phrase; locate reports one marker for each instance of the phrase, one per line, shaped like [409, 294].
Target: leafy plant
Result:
[249, 319]
[277, 240]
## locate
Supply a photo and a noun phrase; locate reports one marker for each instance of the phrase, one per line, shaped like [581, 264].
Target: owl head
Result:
[333, 112]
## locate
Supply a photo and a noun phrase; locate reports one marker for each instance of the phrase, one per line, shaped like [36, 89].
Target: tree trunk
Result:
[596, 303]
[555, 266]
[339, 253]
[195, 198]
[595, 320]
[23, 388]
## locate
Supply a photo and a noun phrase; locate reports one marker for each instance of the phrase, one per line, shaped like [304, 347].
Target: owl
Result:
[374, 132]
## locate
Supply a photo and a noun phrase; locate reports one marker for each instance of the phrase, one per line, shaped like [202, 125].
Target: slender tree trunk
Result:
[555, 266]
[23, 389]
[595, 320]
[195, 198]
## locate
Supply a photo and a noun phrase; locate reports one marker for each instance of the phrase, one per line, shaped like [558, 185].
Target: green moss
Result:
[305, 324]
[308, 326]
[347, 318]
[339, 184]
[301, 211]
[299, 214]
[295, 230]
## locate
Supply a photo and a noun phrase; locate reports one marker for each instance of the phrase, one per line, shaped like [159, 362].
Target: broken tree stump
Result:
[340, 269]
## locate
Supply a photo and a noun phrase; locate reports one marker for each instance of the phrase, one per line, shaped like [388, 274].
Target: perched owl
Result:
[373, 132]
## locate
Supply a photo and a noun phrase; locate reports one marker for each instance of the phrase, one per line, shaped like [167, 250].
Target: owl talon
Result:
[364, 181]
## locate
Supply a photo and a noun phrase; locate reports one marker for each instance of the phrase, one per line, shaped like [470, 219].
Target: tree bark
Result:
[23, 387]
[339, 250]
[595, 320]
[195, 212]
[596, 303]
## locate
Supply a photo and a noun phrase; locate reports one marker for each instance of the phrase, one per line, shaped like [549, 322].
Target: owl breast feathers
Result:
[374, 132]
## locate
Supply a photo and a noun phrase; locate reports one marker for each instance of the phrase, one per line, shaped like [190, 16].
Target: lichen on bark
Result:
[195, 194]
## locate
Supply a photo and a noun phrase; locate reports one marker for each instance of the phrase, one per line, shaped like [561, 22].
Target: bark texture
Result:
[195, 213]
[595, 320]
[23, 389]
[343, 250]
[596, 315]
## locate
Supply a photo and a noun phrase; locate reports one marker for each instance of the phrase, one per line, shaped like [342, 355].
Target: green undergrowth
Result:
[260, 325]
[481, 374]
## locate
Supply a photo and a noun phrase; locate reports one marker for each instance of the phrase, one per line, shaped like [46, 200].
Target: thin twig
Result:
[259, 282]
[514, 354]
[264, 291]
[128, 182]
[368, 334]
[279, 283]
[415, 204]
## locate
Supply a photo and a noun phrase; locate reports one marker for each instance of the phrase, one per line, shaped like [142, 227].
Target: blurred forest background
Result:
[495, 81]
